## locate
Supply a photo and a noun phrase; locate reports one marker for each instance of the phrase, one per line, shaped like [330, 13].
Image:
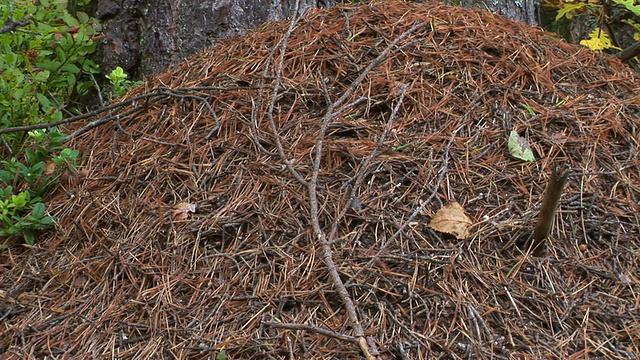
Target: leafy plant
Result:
[44, 64]
[613, 25]
[119, 83]
[22, 211]
[44, 69]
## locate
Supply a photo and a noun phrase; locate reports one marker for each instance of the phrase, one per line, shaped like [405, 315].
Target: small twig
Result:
[559, 176]
[476, 315]
[377, 61]
[158, 92]
[423, 204]
[362, 170]
[513, 302]
[182, 93]
[83, 261]
[282, 45]
[14, 25]
[316, 329]
[97, 87]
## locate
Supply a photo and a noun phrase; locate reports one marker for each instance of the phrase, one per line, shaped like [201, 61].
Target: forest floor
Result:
[274, 198]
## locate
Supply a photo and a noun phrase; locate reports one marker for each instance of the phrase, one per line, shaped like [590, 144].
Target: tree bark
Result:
[519, 10]
[146, 36]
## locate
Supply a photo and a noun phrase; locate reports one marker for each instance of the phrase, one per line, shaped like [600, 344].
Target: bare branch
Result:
[368, 349]
[282, 46]
[359, 176]
[316, 329]
[14, 25]
[441, 173]
[366, 345]
[629, 52]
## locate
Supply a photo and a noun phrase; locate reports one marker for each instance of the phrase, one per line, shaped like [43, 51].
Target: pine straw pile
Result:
[226, 198]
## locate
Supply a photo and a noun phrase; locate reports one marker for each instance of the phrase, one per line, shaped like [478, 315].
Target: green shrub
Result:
[44, 62]
[44, 69]
[119, 83]
[22, 212]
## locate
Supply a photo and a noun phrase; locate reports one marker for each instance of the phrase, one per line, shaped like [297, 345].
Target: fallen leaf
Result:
[182, 210]
[73, 29]
[451, 219]
[49, 168]
[519, 147]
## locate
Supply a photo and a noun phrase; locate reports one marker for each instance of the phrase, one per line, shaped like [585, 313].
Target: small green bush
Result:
[44, 69]
[119, 83]
[22, 212]
[44, 64]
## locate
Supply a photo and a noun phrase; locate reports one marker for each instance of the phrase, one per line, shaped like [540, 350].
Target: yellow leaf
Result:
[598, 41]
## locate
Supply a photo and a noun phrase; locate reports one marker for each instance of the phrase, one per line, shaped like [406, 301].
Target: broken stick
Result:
[558, 179]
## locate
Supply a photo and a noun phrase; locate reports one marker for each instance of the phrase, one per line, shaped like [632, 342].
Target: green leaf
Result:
[69, 155]
[82, 17]
[42, 76]
[38, 211]
[71, 68]
[10, 58]
[37, 169]
[519, 147]
[44, 101]
[56, 116]
[222, 355]
[32, 156]
[6, 176]
[6, 192]
[71, 79]
[630, 5]
[20, 200]
[568, 9]
[17, 93]
[29, 238]
[46, 222]
[69, 20]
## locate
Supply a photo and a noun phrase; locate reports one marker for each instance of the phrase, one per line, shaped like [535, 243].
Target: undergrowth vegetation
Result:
[44, 70]
[612, 26]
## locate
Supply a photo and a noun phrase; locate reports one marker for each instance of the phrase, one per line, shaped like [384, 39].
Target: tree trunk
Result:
[520, 10]
[146, 36]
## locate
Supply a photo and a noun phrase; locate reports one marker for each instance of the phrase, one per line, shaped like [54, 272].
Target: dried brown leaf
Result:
[451, 219]
[182, 210]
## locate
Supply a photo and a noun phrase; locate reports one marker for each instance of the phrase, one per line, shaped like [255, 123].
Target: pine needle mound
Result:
[192, 236]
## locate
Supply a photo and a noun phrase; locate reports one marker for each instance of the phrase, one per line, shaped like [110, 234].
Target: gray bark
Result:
[519, 10]
[146, 36]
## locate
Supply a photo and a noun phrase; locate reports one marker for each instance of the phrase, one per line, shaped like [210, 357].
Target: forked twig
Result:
[316, 329]
[419, 209]
[368, 348]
